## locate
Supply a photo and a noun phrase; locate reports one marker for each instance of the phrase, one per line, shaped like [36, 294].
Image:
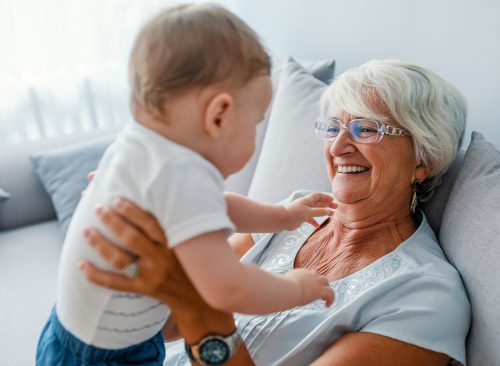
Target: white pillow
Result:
[291, 156]
[321, 70]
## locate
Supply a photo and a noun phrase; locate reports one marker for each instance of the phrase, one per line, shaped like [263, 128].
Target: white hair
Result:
[430, 108]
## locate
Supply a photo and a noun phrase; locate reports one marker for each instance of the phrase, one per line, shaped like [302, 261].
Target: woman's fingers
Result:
[91, 176]
[140, 218]
[117, 257]
[107, 279]
[125, 232]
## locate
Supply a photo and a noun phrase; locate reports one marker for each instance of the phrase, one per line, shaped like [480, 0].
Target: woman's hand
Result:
[90, 177]
[159, 273]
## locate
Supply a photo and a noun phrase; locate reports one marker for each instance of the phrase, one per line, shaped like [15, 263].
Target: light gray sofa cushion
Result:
[434, 208]
[28, 260]
[322, 70]
[290, 138]
[470, 237]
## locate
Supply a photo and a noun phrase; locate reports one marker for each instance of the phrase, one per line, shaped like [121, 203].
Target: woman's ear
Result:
[216, 114]
[422, 172]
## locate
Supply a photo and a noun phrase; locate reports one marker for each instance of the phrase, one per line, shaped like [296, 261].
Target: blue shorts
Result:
[59, 347]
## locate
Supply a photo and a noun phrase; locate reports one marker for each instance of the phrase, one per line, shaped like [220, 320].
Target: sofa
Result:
[465, 211]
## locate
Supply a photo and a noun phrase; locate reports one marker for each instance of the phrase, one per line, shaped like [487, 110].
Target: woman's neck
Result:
[347, 243]
[386, 228]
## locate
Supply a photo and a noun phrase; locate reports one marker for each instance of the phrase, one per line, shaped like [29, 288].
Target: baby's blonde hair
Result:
[192, 46]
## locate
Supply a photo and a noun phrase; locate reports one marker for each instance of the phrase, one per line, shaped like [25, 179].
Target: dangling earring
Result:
[414, 199]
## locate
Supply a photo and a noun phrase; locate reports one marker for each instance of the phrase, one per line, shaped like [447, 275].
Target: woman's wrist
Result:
[196, 321]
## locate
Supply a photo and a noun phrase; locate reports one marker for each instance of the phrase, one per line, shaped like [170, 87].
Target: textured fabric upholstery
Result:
[434, 208]
[470, 237]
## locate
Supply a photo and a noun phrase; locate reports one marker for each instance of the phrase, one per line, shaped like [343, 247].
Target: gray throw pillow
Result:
[434, 208]
[291, 156]
[63, 174]
[470, 237]
[322, 70]
[4, 195]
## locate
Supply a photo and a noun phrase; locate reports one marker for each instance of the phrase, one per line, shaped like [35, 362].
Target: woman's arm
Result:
[361, 348]
[160, 274]
[241, 243]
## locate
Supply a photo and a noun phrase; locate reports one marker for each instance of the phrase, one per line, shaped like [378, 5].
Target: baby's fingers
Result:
[326, 292]
[320, 211]
[328, 296]
[319, 199]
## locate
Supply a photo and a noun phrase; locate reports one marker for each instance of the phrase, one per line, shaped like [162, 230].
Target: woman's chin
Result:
[348, 193]
[343, 196]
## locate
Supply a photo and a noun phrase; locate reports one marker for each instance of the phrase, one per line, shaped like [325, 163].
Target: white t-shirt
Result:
[412, 294]
[180, 188]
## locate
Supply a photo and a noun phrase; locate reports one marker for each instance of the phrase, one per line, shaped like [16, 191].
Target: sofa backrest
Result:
[470, 237]
[29, 203]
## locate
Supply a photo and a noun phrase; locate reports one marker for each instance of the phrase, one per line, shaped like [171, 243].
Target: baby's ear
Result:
[216, 113]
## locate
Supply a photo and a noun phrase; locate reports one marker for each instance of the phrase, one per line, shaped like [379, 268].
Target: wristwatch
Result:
[214, 349]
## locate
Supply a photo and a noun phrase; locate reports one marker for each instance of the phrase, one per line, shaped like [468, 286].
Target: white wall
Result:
[459, 39]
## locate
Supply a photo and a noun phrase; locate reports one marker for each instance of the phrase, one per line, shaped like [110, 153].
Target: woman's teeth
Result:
[351, 169]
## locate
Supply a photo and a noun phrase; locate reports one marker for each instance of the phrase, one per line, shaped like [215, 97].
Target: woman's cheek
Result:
[328, 160]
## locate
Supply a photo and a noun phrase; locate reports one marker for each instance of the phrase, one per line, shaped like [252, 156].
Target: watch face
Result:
[214, 352]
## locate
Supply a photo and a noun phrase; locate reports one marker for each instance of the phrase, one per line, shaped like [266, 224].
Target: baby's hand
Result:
[312, 286]
[305, 208]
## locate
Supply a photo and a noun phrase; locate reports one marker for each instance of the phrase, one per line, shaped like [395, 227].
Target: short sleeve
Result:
[187, 199]
[428, 311]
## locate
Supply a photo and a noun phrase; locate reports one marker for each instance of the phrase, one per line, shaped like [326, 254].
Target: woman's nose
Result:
[342, 144]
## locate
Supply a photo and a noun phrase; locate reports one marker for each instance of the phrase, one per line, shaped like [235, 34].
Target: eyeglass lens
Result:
[361, 130]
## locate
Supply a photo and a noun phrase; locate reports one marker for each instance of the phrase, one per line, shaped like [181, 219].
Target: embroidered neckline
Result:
[281, 259]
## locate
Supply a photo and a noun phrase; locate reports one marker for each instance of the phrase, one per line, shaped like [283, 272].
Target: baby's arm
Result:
[226, 284]
[250, 216]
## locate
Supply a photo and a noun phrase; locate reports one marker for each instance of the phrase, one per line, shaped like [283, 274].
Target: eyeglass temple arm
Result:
[394, 131]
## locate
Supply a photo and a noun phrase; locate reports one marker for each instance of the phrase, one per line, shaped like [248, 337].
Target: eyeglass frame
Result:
[382, 129]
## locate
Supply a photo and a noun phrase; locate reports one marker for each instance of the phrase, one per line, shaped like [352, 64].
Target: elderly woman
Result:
[391, 129]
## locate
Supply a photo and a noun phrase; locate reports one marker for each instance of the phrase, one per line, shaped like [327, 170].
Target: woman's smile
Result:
[351, 169]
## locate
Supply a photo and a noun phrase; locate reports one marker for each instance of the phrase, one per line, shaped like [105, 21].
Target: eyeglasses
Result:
[362, 130]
